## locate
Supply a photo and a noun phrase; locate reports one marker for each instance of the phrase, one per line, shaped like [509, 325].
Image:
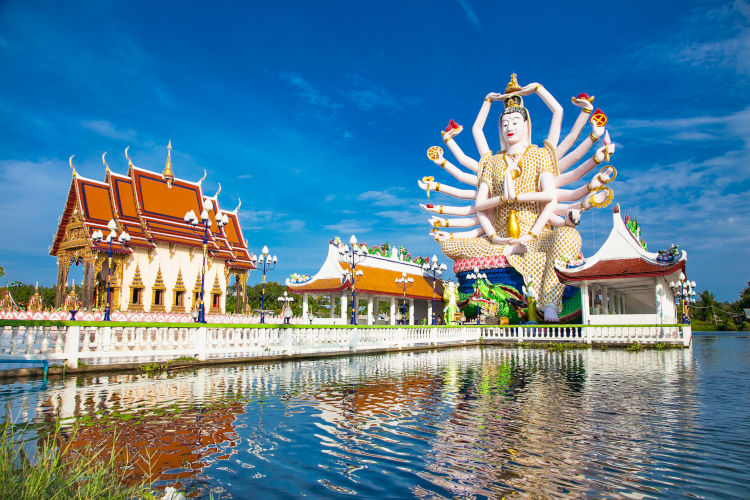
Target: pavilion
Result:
[623, 283]
[381, 267]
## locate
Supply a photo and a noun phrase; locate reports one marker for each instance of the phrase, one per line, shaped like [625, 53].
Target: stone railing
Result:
[130, 343]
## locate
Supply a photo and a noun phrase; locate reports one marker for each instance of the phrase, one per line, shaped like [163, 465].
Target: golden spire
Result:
[167, 174]
[512, 85]
[70, 161]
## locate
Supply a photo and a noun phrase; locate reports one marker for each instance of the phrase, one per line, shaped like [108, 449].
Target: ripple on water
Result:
[476, 422]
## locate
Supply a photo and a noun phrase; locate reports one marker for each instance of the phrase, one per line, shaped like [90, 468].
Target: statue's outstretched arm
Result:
[464, 194]
[557, 111]
[462, 222]
[463, 159]
[483, 192]
[445, 235]
[585, 167]
[478, 129]
[575, 132]
[450, 210]
[604, 176]
[548, 194]
[572, 158]
[460, 175]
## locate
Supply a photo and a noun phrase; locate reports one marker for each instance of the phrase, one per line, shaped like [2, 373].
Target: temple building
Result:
[159, 269]
[623, 283]
[380, 267]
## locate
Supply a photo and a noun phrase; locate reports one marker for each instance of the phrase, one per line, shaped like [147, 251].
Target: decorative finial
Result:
[70, 161]
[104, 160]
[167, 174]
[239, 204]
[202, 178]
[130, 162]
[216, 196]
[512, 85]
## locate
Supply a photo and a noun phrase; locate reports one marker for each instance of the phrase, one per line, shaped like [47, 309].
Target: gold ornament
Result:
[434, 153]
[512, 85]
[513, 226]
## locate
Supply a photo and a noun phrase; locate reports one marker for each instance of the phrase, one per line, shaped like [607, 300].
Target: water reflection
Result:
[486, 422]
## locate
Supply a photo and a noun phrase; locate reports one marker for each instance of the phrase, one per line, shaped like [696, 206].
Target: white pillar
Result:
[622, 304]
[343, 307]
[605, 300]
[393, 311]
[429, 312]
[305, 309]
[411, 311]
[370, 315]
[585, 311]
[331, 301]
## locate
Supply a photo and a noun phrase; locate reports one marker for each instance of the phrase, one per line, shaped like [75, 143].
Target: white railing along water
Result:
[124, 343]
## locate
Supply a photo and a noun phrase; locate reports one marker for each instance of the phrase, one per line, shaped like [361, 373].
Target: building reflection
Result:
[473, 421]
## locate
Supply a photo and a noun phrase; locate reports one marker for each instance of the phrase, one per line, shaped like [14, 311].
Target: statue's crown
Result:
[516, 100]
[512, 85]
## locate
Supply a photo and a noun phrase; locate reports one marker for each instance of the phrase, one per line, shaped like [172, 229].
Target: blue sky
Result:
[318, 114]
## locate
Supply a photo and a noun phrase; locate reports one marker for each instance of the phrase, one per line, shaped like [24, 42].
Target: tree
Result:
[2, 272]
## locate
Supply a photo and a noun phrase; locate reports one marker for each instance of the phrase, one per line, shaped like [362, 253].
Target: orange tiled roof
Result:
[375, 281]
[144, 205]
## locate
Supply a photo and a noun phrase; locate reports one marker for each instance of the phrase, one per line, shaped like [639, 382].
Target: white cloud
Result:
[469, 11]
[107, 129]
[307, 91]
[348, 226]
[33, 197]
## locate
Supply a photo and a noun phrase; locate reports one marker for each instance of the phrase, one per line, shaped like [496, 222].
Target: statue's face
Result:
[513, 128]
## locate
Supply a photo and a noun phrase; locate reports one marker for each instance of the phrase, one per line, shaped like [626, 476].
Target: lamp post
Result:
[685, 291]
[286, 309]
[432, 270]
[476, 276]
[267, 262]
[205, 222]
[404, 283]
[124, 239]
[352, 255]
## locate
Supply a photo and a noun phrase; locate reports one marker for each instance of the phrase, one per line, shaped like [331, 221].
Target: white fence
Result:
[125, 344]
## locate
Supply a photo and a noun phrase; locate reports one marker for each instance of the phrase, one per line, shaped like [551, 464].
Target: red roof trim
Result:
[620, 268]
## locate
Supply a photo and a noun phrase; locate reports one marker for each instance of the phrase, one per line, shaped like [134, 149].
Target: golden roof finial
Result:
[70, 161]
[512, 85]
[104, 160]
[130, 162]
[167, 174]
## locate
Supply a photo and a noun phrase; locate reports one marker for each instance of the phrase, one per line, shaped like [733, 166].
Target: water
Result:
[475, 422]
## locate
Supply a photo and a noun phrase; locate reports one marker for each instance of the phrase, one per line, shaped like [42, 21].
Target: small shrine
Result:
[163, 257]
[623, 283]
[380, 267]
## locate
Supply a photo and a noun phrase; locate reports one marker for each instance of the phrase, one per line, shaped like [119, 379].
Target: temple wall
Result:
[171, 262]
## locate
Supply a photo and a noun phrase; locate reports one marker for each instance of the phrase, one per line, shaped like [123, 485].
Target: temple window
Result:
[179, 299]
[215, 300]
[137, 296]
[158, 297]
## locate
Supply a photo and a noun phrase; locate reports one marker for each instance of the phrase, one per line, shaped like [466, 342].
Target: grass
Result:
[636, 346]
[61, 473]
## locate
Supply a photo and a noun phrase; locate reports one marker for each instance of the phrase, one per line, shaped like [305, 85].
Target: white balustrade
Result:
[135, 344]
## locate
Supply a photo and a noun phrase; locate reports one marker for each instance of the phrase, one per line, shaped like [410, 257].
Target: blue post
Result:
[109, 277]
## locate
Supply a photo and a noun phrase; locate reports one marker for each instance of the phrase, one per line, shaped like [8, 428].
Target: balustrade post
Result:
[106, 338]
[353, 339]
[687, 335]
[200, 343]
[287, 340]
[72, 346]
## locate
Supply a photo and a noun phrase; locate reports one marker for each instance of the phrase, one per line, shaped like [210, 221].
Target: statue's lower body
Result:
[536, 265]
